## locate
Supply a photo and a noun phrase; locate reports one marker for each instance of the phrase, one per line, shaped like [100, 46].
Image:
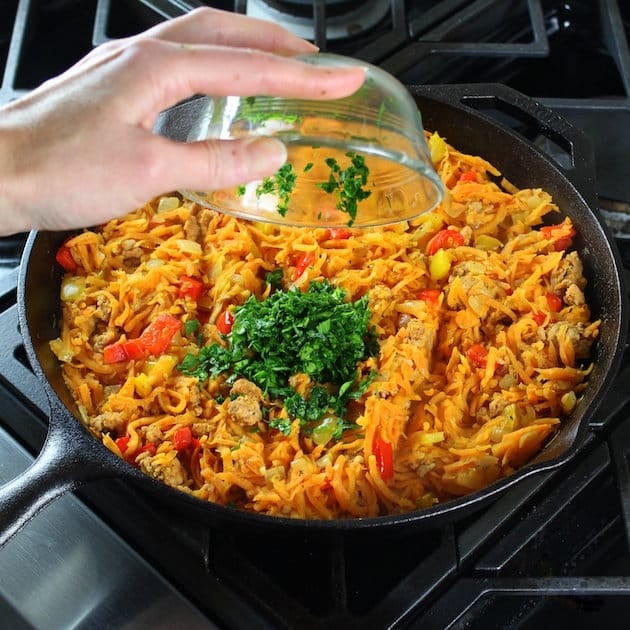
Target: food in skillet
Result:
[320, 373]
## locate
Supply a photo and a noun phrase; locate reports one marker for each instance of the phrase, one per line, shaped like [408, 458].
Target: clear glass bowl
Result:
[362, 160]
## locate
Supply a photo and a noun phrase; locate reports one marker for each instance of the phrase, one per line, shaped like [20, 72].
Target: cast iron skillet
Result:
[72, 456]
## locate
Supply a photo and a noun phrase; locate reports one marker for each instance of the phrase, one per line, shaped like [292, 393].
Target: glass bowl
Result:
[359, 161]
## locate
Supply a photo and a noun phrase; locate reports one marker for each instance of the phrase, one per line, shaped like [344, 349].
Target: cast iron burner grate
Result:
[550, 49]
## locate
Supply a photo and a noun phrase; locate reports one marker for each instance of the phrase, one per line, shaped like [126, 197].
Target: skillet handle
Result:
[568, 147]
[66, 461]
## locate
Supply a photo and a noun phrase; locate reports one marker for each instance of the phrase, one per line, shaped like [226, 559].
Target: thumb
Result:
[216, 164]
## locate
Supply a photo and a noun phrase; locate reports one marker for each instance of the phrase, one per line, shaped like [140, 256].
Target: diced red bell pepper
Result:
[303, 263]
[183, 438]
[123, 351]
[154, 339]
[115, 353]
[554, 302]
[190, 288]
[384, 454]
[65, 259]
[431, 296]
[444, 239]
[122, 443]
[340, 233]
[225, 321]
[478, 355]
[559, 234]
[149, 447]
[134, 348]
[468, 176]
[539, 317]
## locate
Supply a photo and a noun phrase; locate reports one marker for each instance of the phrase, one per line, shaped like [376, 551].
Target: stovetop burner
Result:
[554, 549]
[322, 20]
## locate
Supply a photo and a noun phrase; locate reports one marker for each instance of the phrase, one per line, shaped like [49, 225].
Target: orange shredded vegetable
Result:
[477, 364]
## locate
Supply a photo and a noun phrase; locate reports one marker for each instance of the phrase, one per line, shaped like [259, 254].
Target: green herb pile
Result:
[316, 332]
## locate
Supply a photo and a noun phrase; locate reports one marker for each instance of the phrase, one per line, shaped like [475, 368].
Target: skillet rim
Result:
[449, 510]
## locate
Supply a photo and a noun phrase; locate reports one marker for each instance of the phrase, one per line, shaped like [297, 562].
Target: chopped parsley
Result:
[257, 113]
[283, 425]
[274, 278]
[282, 184]
[347, 183]
[191, 327]
[316, 332]
[211, 360]
[309, 410]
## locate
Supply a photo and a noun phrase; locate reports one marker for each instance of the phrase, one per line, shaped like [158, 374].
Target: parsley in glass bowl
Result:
[358, 161]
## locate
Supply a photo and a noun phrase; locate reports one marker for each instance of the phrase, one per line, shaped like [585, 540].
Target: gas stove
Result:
[553, 549]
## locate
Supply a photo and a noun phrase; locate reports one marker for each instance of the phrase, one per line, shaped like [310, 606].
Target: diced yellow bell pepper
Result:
[439, 265]
[437, 147]
[162, 367]
[155, 371]
[143, 385]
[434, 437]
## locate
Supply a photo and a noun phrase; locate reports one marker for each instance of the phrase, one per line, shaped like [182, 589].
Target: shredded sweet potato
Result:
[483, 348]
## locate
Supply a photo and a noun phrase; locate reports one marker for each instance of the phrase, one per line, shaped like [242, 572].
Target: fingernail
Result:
[265, 155]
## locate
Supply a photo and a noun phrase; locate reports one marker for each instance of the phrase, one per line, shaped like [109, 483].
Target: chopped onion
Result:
[275, 472]
[61, 350]
[568, 402]
[72, 288]
[487, 242]
[189, 247]
[324, 460]
[478, 304]
[154, 263]
[533, 202]
[453, 210]
[300, 465]
[168, 203]
[111, 445]
[511, 417]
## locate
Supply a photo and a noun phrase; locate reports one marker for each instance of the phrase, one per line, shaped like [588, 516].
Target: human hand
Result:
[79, 150]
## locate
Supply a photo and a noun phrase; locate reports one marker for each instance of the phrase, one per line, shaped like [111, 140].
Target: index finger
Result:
[221, 71]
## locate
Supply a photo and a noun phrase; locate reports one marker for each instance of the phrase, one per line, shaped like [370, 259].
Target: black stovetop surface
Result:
[553, 549]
